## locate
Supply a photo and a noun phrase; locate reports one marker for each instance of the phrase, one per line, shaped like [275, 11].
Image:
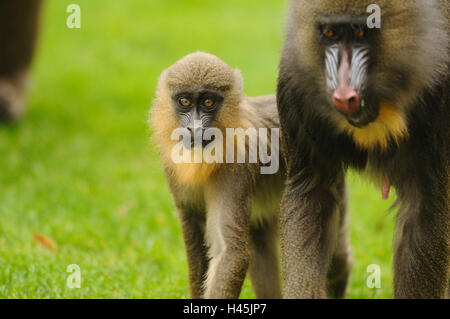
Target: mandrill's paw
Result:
[11, 100]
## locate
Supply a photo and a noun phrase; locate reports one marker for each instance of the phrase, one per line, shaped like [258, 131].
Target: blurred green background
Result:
[80, 169]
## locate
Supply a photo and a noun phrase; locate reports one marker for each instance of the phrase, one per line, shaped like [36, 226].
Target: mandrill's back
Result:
[261, 111]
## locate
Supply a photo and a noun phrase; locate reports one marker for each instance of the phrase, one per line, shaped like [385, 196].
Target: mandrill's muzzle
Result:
[345, 98]
[347, 69]
[197, 138]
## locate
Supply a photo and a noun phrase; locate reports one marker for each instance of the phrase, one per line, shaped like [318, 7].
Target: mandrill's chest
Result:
[399, 166]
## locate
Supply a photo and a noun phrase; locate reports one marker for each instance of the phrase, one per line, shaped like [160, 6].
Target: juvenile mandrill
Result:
[228, 211]
[375, 100]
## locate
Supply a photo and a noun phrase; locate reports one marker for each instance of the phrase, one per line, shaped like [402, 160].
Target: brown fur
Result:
[421, 47]
[18, 29]
[228, 212]
[407, 146]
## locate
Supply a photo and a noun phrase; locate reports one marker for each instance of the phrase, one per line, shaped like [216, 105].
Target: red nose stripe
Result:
[345, 98]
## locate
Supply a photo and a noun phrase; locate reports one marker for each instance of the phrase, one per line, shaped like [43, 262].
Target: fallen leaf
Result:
[44, 241]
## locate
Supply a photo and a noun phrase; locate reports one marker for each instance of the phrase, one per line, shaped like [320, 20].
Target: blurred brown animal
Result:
[19, 21]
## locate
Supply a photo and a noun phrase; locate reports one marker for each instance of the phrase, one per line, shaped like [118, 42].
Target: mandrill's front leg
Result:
[193, 228]
[227, 234]
[422, 245]
[309, 223]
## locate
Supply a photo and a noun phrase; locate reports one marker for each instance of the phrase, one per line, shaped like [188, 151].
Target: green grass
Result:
[80, 168]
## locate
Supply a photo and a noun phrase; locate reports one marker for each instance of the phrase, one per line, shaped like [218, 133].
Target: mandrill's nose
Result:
[196, 135]
[346, 100]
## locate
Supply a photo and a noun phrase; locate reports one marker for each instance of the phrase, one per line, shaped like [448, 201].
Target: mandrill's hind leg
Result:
[341, 262]
[264, 264]
[447, 296]
[448, 290]
[18, 29]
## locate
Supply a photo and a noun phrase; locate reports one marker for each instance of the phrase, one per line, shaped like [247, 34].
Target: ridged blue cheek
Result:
[331, 67]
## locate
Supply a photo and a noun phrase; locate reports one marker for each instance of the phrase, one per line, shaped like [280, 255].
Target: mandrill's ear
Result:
[238, 80]
[237, 91]
[162, 79]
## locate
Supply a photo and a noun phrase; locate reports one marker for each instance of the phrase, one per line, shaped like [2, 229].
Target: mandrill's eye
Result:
[359, 32]
[184, 102]
[329, 33]
[208, 102]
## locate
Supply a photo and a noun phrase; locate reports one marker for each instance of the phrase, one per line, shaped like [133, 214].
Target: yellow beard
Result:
[192, 173]
[199, 173]
[389, 126]
[188, 173]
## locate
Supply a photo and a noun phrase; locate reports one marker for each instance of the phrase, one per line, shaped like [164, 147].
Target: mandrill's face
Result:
[347, 45]
[363, 80]
[197, 108]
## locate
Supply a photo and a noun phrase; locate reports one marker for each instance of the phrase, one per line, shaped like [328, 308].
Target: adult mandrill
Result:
[228, 211]
[375, 100]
